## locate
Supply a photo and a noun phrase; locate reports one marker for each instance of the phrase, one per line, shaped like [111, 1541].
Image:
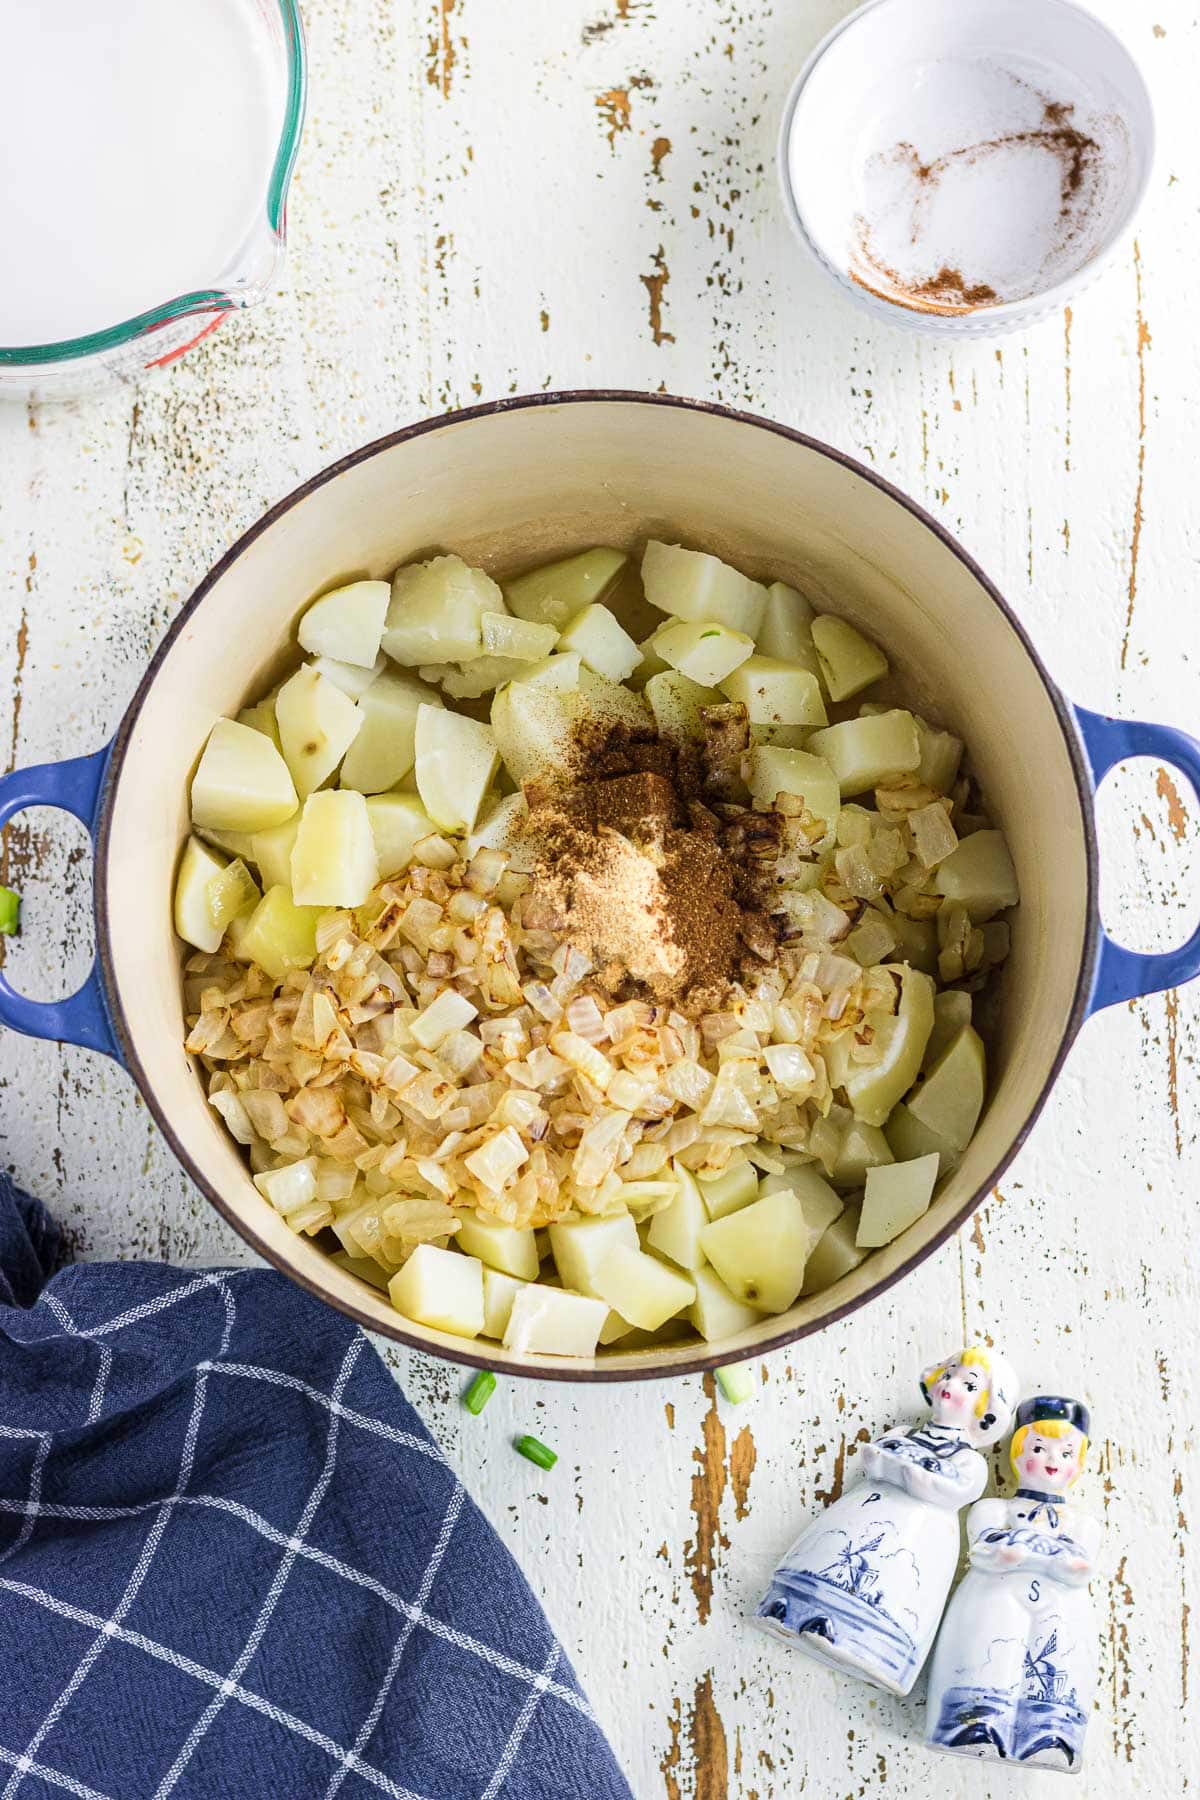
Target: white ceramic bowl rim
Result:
[706, 1357]
[1007, 314]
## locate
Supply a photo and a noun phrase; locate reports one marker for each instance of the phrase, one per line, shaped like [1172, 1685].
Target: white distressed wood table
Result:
[493, 199]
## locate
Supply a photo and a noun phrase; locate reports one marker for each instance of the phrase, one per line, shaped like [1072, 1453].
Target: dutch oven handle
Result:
[73, 786]
[1123, 974]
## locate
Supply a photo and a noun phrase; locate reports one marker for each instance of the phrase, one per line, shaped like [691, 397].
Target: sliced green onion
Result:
[536, 1452]
[480, 1391]
[10, 911]
[736, 1382]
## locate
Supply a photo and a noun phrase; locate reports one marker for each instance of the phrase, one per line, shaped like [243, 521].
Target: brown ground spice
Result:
[643, 869]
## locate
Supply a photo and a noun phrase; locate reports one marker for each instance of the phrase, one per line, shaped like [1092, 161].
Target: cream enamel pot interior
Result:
[524, 480]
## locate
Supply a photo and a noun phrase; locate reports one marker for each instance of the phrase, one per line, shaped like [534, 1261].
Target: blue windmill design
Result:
[852, 1570]
[1044, 1680]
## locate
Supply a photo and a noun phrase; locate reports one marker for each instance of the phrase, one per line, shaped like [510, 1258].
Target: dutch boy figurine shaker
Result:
[1014, 1670]
[863, 1587]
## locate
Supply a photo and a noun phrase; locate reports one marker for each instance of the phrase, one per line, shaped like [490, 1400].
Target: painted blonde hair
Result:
[994, 1407]
[1051, 1428]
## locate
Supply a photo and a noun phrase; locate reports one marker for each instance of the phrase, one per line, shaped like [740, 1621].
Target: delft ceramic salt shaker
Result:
[1014, 1670]
[863, 1587]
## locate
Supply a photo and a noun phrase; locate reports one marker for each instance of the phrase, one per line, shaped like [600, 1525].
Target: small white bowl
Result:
[962, 166]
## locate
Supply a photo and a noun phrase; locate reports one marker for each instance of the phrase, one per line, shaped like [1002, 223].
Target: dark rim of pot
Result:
[604, 1368]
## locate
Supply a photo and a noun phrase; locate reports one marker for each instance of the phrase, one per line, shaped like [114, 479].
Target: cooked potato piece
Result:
[874, 1088]
[642, 1289]
[704, 652]
[908, 1138]
[776, 693]
[949, 1099]
[561, 670]
[849, 661]
[499, 1292]
[821, 1205]
[676, 704]
[317, 725]
[436, 612]
[979, 874]
[690, 584]
[554, 593]
[601, 643]
[549, 1322]
[675, 1231]
[836, 1254]
[347, 623]
[730, 1191]
[272, 852]
[500, 1246]
[786, 628]
[536, 722]
[456, 759]
[333, 859]
[760, 1251]
[897, 1195]
[242, 782]
[398, 823]
[863, 1147]
[193, 918]
[916, 942]
[261, 717]
[715, 1312]
[385, 748]
[951, 1011]
[278, 935]
[867, 752]
[522, 639]
[441, 1289]
[579, 1246]
[775, 771]
[941, 754]
[651, 663]
[352, 680]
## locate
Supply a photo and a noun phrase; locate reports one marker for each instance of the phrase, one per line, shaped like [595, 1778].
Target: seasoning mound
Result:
[643, 868]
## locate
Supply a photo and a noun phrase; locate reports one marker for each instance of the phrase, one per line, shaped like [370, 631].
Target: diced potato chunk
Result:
[676, 704]
[715, 1312]
[352, 679]
[261, 717]
[476, 677]
[550, 1322]
[836, 1254]
[554, 593]
[642, 1289]
[501, 826]
[579, 1246]
[951, 1011]
[675, 1231]
[601, 643]
[729, 1191]
[278, 935]
[456, 759]
[704, 652]
[775, 771]
[523, 639]
[908, 1138]
[536, 723]
[760, 1251]
[347, 624]
[941, 753]
[690, 584]
[863, 1147]
[874, 1088]
[897, 1195]
[272, 851]
[504, 1247]
[980, 876]
[561, 670]
[317, 725]
[849, 661]
[398, 823]
[776, 693]
[385, 748]
[820, 1204]
[333, 859]
[436, 611]
[441, 1289]
[193, 920]
[867, 752]
[242, 783]
[499, 1292]
[950, 1097]
[786, 629]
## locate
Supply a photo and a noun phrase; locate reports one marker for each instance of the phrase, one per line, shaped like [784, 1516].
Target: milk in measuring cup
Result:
[137, 139]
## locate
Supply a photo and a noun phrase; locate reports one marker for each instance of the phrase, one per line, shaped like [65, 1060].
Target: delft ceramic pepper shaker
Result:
[863, 1587]
[1014, 1671]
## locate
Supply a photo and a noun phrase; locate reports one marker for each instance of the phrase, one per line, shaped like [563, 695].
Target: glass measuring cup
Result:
[147, 198]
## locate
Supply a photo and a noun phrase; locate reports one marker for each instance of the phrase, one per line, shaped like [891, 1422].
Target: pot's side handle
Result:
[1123, 974]
[73, 786]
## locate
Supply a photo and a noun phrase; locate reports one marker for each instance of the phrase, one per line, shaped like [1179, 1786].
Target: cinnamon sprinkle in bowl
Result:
[963, 168]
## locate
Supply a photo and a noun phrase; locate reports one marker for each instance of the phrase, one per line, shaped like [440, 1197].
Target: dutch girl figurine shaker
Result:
[864, 1586]
[1014, 1670]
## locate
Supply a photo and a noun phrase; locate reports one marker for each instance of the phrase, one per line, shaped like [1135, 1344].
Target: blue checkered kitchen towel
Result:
[235, 1566]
